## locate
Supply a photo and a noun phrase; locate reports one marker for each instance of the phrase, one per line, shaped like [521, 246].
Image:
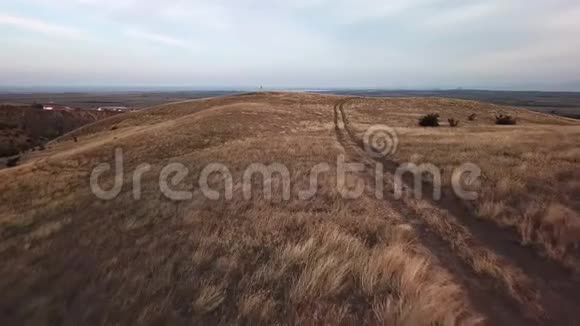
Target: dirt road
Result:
[519, 287]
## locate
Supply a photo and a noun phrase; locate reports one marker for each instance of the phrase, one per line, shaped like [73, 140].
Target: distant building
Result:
[113, 108]
[55, 107]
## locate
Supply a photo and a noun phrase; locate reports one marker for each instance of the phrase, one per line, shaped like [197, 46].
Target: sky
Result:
[396, 44]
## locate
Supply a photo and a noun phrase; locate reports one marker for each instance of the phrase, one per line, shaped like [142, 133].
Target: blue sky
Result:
[496, 44]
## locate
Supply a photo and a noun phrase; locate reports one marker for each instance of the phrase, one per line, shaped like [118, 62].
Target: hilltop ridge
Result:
[175, 252]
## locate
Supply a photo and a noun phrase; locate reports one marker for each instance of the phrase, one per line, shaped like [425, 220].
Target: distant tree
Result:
[52, 133]
[7, 125]
[6, 106]
[8, 149]
[37, 106]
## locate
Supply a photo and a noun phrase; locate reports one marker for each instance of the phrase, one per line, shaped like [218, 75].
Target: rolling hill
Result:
[199, 240]
[22, 127]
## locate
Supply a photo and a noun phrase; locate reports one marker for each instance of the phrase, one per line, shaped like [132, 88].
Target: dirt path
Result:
[486, 260]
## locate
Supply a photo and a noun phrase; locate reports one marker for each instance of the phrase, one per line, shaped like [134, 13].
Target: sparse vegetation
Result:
[8, 125]
[12, 162]
[503, 119]
[24, 127]
[453, 122]
[472, 117]
[8, 149]
[429, 120]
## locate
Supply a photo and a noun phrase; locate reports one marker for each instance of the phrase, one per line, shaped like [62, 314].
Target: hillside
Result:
[164, 251]
[557, 103]
[23, 128]
[91, 100]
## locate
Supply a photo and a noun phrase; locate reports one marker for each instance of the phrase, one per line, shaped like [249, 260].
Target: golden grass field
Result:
[508, 258]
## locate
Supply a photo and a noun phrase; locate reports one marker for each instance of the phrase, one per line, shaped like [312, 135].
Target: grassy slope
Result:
[22, 128]
[71, 258]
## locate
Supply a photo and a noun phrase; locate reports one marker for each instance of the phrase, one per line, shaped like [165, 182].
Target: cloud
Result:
[534, 60]
[351, 11]
[360, 11]
[568, 19]
[108, 4]
[464, 15]
[342, 42]
[39, 26]
[208, 15]
[159, 38]
[199, 13]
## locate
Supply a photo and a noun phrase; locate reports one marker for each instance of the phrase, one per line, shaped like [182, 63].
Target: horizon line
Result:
[185, 88]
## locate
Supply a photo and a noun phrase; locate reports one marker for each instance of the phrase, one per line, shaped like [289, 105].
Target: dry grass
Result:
[530, 171]
[208, 299]
[327, 260]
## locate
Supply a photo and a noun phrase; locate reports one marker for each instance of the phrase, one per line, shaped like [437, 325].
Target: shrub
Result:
[12, 162]
[430, 120]
[52, 133]
[472, 117]
[504, 120]
[7, 125]
[453, 122]
[37, 106]
[8, 150]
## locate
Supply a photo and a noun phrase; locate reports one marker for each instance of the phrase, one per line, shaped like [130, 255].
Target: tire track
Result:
[483, 291]
[557, 287]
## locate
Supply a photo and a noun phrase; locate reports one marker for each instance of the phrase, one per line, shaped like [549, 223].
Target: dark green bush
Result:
[430, 120]
[505, 120]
